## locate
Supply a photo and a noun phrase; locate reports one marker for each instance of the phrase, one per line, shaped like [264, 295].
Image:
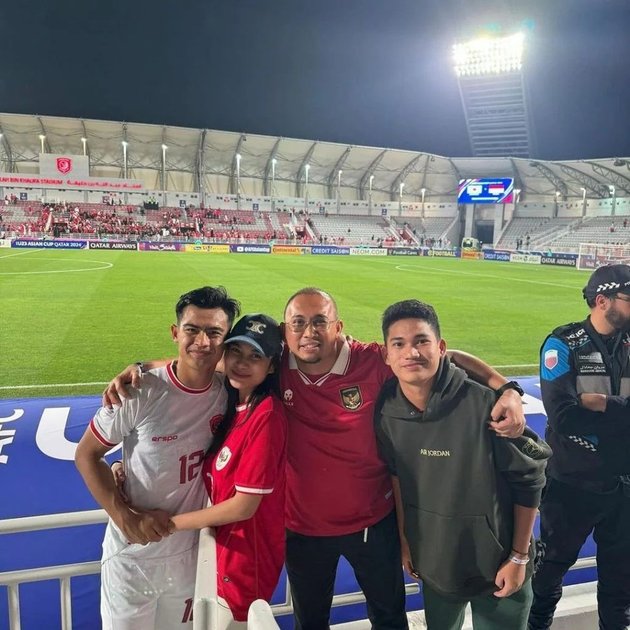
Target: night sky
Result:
[365, 72]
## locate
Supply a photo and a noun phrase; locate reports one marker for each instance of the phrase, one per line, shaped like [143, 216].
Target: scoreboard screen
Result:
[483, 190]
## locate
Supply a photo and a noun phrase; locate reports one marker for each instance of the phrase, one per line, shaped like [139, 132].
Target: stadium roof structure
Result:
[206, 160]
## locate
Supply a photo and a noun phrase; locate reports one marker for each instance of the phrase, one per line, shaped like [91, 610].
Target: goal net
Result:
[594, 255]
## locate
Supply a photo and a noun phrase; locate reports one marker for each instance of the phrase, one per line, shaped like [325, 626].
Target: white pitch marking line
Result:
[28, 251]
[48, 385]
[106, 265]
[8, 387]
[483, 275]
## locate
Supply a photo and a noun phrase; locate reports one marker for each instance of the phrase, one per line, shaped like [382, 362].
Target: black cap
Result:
[260, 331]
[608, 280]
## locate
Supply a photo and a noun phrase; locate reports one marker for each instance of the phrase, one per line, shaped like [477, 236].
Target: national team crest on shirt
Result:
[551, 359]
[223, 458]
[351, 397]
[64, 165]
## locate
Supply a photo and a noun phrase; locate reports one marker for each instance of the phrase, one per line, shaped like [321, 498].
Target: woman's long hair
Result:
[269, 387]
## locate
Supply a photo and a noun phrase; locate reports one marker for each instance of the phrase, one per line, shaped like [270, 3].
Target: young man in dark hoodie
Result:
[466, 500]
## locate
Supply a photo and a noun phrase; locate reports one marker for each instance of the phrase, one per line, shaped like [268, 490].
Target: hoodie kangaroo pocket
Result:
[455, 554]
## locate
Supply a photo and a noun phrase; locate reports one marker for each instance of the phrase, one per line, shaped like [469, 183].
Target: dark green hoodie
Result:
[459, 481]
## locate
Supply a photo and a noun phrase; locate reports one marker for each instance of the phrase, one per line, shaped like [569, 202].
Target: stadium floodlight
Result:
[42, 139]
[611, 190]
[125, 144]
[489, 55]
[402, 185]
[84, 143]
[273, 176]
[307, 168]
[492, 87]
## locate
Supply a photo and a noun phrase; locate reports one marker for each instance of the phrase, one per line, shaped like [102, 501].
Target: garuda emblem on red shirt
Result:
[351, 397]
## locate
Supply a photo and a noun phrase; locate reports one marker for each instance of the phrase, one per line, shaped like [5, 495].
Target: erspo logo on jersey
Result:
[164, 438]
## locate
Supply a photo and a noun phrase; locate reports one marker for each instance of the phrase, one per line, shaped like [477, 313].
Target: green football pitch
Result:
[72, 319]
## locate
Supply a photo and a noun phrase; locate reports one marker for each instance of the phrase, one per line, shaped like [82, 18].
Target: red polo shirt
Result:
[250, 553]
[336, 482]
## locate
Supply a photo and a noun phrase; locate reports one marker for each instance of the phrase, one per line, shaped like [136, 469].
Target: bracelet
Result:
[519, 561]
[521, 553]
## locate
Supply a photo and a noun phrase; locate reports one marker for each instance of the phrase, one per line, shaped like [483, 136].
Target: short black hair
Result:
[410, 309]
[209, 297]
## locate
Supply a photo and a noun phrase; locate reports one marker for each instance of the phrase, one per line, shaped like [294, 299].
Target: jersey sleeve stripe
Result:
[97, 434]
[247, 490]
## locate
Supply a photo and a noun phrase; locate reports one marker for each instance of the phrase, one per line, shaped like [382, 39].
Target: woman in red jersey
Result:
[244, 472]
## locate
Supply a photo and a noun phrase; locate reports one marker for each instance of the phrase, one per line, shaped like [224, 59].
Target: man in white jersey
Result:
[147, 576]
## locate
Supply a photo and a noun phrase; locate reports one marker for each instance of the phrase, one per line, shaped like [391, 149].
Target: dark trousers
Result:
[488, 612]
[567, 516]
[374, 555]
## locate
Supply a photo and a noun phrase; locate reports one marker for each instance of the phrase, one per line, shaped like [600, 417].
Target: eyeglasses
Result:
[623, 298]
[319, 324]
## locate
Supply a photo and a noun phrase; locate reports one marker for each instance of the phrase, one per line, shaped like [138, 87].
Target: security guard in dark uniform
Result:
[585, 382]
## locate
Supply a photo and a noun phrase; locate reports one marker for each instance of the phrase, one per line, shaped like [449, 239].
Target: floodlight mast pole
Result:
[306, 170]
[164, 147]
[613, 194]
[238, 181]
[273, 184]
[339, 190]
[370, 196]
[124, 146]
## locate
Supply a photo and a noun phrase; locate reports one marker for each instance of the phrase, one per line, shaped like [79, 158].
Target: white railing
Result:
[205, 592]
[13, 579]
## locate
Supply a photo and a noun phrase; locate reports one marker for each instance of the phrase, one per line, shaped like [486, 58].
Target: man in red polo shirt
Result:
[339, 495]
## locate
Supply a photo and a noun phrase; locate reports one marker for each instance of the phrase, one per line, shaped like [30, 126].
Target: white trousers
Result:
[155, 594]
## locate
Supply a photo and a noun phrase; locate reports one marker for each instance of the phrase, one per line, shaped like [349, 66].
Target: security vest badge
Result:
[351, 397]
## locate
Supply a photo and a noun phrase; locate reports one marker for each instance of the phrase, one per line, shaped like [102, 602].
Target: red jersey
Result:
[336, 482]
[250, 553]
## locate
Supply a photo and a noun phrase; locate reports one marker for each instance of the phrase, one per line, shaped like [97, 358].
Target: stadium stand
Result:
[606, 230]
[534, 227]
[353, 230]
[430, 229]
[197, 194]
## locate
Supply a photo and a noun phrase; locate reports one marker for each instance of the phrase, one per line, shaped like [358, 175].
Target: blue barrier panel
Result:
[330, 251]
[495, 254]
[250, 249]
[38, 438]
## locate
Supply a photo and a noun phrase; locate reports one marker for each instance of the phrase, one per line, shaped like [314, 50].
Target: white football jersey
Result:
[165, 430]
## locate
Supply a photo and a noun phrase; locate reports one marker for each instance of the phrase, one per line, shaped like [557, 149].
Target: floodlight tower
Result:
[493, 92]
